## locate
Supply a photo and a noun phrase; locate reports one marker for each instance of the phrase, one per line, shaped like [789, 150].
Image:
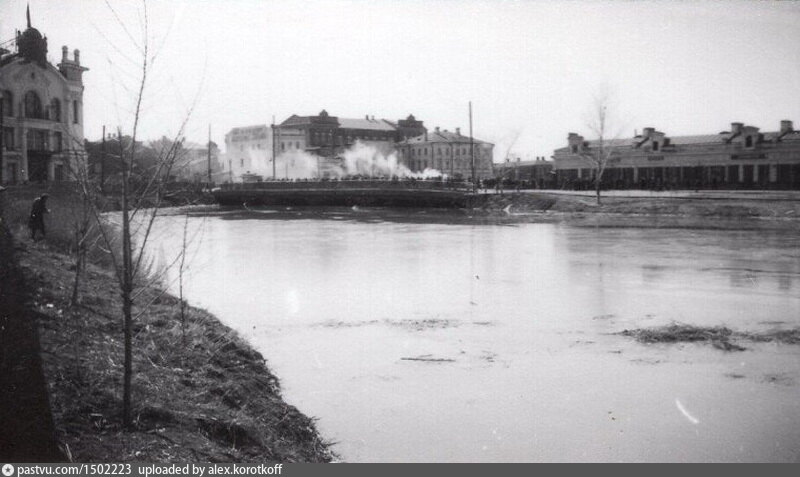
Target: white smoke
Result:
[361, 159]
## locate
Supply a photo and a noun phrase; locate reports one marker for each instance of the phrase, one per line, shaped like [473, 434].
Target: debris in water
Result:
[686, 414]
[720, 337]
[428, 359]
[604, 317]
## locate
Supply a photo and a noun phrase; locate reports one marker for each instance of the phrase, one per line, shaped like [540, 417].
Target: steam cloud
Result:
[360, 159]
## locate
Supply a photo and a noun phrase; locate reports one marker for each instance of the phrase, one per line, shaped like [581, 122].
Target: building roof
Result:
[693, 140]
[444, 137]
[370, 124]
[344, 123]
[528, 163]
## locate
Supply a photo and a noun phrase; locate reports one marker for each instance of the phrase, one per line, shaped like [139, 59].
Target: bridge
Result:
[368, 192]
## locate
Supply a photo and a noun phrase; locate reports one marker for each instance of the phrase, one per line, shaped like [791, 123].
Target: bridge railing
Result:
[369, 184]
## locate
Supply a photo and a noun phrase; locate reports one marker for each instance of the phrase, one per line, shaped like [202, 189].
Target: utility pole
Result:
[472, 150]
[209, 155]
[2, 135]
[273, 147]
[103, 163]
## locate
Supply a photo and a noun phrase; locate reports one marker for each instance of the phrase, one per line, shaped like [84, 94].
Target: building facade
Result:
[537, 173]
[42, 111]
[248, 151]
[448, 153]
[743, 157]
[329, 136]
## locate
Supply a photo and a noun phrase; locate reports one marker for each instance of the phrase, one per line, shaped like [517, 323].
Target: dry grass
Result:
[212, 400]
[659, 206]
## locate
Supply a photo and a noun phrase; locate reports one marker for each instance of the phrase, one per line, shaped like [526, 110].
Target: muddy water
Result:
[424, 337]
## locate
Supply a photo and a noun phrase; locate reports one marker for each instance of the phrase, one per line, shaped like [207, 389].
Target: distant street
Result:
[672, 194]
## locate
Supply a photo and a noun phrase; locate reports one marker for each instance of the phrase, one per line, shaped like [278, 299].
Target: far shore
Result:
[745, 210]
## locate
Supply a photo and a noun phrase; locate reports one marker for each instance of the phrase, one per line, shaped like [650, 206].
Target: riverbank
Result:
[200, 392]
[646, 210]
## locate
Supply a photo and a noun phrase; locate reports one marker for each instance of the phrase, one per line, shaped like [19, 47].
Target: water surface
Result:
[418, 336]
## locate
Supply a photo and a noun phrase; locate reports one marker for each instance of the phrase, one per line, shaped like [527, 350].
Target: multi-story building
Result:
[41, 113]
[328, 136]
[248, 151]
[743, 157]
[449, 153]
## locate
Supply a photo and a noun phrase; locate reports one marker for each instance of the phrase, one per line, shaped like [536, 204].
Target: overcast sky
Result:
[529, 67]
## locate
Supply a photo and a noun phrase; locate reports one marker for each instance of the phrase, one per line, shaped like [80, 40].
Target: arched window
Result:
[33, 105]
[8, 103]
[55, 110]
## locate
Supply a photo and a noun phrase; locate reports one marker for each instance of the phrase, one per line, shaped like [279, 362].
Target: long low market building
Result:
[742, 158]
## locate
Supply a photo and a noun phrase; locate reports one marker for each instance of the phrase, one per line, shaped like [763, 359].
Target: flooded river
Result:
[423, 337]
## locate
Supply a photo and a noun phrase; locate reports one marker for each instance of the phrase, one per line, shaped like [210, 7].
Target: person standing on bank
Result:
[36, 221]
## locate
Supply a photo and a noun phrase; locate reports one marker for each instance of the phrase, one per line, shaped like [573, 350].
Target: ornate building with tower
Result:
[41, 112]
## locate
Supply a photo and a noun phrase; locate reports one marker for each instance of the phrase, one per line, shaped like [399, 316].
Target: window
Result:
[55, 110]
[8, 138]
[655, 145]
[297, 144]
[33, 105]
[8, 103]
[58, 141]
[241, 162]
[748, 141]
[283, 146]
[75, 117]
[574, 148]
[37, 140]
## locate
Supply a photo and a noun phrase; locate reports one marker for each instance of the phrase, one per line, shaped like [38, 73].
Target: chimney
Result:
[366, 116]
[64, 54]
[458, 131]
[77, 54]
[437, 129]
[372, 118]
[736, 128]
[646, 132]
[786, 127]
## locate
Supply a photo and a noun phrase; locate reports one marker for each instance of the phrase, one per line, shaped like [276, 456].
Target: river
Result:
[419, 336]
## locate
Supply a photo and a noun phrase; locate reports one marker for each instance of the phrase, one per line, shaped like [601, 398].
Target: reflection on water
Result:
[429, 336]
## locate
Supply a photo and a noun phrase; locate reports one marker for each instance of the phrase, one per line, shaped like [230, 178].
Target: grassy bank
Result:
[200, 392]
[737, 213]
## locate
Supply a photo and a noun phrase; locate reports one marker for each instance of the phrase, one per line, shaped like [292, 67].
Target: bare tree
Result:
[141, 196]
[604, 127]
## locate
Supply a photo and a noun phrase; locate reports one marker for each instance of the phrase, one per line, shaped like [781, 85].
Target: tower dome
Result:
[30, 43]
